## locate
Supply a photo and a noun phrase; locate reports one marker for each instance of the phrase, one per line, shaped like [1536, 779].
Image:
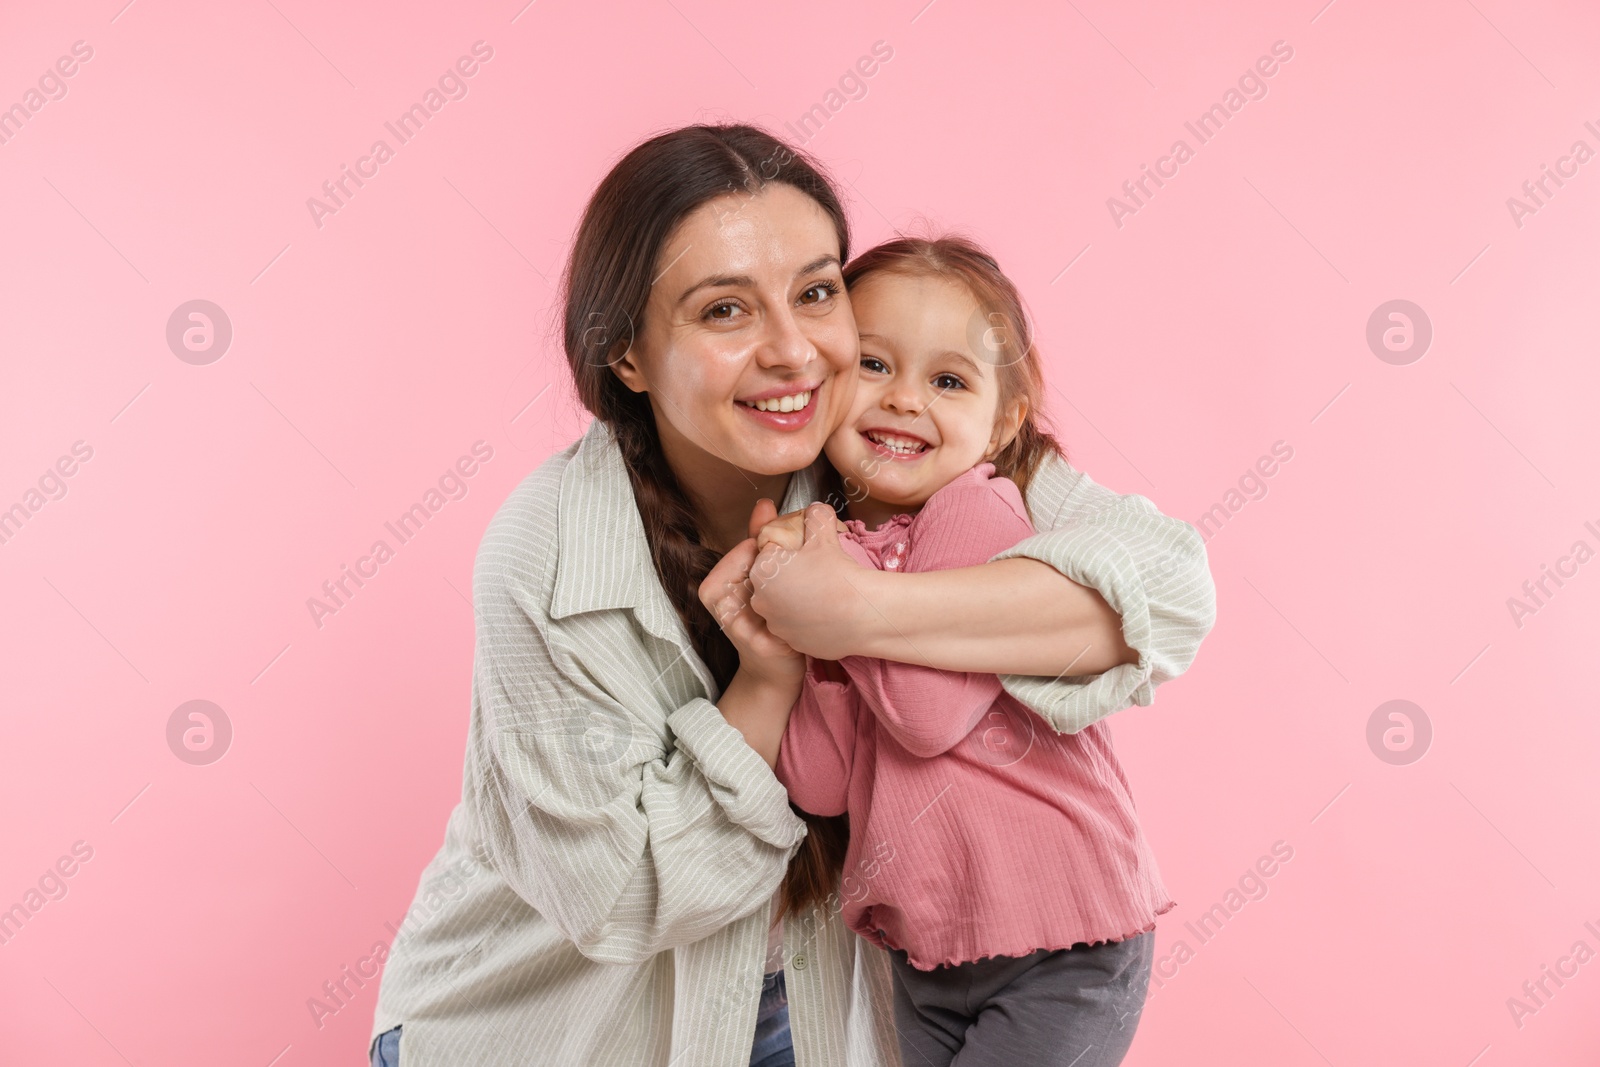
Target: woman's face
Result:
[748, 349]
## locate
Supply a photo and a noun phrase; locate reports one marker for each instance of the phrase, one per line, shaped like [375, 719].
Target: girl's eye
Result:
[873, 363]
[949, 378]
[826, 290]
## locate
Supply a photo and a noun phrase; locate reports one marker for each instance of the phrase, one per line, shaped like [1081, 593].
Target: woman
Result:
[607, 885]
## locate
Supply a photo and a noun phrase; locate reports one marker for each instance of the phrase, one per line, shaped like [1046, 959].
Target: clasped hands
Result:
[787, 591]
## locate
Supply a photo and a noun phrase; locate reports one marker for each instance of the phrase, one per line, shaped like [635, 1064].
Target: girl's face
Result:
[748, 347]
[927, 405]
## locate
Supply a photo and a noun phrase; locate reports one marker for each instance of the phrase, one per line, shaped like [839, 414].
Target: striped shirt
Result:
[603, 893]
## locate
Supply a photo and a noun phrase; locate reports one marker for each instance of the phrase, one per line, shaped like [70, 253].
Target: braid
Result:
[674, 536]
[611, 268]
[683, 563]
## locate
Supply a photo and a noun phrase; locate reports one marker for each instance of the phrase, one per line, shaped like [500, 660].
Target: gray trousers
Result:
[1074, 1007]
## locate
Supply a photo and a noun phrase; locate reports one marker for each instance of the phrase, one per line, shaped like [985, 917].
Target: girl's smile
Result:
[896, 444]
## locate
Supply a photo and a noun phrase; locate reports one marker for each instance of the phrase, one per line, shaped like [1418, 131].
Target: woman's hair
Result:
[1004, 329]
[614, 260]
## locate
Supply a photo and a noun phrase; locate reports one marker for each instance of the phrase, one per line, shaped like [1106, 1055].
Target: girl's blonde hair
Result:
[1004, 332]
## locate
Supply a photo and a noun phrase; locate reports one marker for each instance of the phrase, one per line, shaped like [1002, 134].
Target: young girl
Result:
[1000, 863]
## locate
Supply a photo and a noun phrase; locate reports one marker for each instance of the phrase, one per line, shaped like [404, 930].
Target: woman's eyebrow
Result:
[818, 263]
[720, 280]
[717, 282]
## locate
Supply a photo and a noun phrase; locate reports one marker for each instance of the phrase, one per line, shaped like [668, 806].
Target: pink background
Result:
[1227, 314]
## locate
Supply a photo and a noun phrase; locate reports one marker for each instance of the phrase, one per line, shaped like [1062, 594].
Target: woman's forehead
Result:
[771, 237]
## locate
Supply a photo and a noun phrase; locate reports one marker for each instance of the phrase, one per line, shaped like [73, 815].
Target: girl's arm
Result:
[928, 710]
[817, 754]
[1082, 619]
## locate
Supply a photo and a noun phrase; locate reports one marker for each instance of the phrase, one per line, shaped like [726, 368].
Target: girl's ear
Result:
[1006, 427]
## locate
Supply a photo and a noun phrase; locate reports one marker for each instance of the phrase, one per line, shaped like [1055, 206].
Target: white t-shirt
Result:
[775, 936]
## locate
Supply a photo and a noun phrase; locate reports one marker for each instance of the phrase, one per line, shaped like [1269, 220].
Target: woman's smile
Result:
[783, 408]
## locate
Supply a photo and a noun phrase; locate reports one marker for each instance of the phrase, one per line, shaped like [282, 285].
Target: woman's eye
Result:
[822, 292]
[949, 381]
[723, 311]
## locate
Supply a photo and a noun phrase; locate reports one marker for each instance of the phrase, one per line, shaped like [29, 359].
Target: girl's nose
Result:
[904, 398]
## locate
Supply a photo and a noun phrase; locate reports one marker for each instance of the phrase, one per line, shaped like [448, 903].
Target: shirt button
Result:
[798, 962]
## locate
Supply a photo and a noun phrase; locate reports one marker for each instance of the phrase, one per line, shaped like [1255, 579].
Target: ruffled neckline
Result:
[892, 528]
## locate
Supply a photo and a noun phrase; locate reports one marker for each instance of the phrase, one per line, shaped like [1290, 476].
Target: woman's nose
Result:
[785, 344]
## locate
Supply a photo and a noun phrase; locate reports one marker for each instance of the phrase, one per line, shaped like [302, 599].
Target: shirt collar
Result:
[603, 559]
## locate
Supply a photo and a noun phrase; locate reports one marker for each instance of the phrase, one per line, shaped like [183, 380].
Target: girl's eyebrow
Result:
[962, 357]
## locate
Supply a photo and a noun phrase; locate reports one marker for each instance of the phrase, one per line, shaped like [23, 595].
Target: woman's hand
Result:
[814, 596]
[786, 531]
[726, 593]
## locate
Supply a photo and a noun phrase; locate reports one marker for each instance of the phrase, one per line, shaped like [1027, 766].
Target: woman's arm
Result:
[758, 709]
[1110, 599]
[632, 826]
[758, 699]
[1016, 616]
[1010, 616]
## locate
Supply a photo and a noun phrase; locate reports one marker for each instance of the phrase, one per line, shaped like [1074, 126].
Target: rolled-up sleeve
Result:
[633, 828]
[1153, 572]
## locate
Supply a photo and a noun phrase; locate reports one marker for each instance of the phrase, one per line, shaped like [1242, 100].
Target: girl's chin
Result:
[889, 491]
[889, 472]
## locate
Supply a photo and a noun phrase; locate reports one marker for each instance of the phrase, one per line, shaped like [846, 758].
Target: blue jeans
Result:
[386, 1050]
[772, 1046]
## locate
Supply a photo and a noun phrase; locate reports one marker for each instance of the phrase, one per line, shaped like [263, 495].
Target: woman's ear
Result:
[626, 367]
[1006, 427]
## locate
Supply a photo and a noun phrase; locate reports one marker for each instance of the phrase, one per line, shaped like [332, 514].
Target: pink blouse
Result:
[975, 829]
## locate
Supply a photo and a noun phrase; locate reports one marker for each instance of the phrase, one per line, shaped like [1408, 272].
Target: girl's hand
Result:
[726, 593]
[813, 598]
